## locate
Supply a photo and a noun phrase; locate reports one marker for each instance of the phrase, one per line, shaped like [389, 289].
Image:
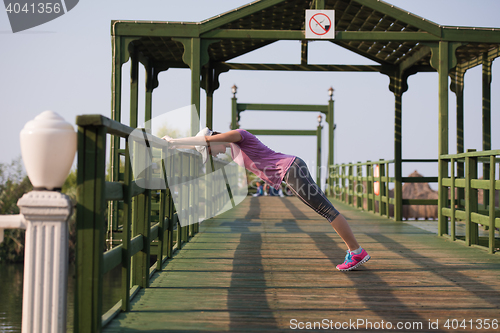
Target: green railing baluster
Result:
[126, 231]
[359, 185]
[162, 217]
[192, 206]
[491, 238]
[351, 184]
[452, 200]
[344, 190]
[369, 187]
[185, 198]
[169, 212]
[381, 173]
[387, 197]
[178, 169]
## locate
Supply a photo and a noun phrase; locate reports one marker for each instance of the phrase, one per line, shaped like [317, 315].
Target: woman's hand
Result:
[170, 140]
[167, 138]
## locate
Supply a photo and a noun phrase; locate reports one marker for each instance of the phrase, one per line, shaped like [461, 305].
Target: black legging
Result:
[299, 180]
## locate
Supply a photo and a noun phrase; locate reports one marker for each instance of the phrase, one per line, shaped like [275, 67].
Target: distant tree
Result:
[13, 185]
[69, 188]
[172, 132]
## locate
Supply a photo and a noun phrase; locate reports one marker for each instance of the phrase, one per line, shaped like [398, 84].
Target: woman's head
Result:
[213, 148]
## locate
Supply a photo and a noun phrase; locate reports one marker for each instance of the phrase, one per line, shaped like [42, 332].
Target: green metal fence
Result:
[148, 217]
[462, 187]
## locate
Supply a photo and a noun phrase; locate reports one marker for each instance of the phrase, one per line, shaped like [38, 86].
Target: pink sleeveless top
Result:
[259, 159]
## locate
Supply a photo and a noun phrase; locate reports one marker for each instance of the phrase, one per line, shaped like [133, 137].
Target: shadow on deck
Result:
[269, 265]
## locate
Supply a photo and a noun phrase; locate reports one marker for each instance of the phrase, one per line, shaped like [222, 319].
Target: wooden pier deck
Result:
[269, 266]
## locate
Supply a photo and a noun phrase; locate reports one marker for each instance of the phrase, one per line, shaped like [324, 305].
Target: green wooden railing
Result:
[148, 217]
[353, 183]
[348, 185]
[463, 185]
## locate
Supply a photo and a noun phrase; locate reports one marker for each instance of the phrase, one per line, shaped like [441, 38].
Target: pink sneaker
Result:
[353, 261]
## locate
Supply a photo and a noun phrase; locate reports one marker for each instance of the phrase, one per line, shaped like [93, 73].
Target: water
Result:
[11, 295]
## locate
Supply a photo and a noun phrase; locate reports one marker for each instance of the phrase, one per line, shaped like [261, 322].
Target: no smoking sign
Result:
[320, 24]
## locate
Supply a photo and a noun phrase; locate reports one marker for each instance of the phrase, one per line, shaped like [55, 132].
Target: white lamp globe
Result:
[48, 147]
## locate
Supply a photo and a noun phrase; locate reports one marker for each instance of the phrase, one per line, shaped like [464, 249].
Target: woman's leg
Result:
[299, 180]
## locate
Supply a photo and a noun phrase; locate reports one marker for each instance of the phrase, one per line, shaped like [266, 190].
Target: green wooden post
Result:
[209, 89]
[195, 65]
[330, 119]
[471, 205]
[149, 95]
[486, 121]
[90, 224]
[234, 112]
[116, 88]
[134, 107]
[457, 87]
[398, 151]
[318, 153]
[134, 89]
[444, 63]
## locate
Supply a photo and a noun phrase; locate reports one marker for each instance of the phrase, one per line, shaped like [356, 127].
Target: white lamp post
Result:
[48, 146]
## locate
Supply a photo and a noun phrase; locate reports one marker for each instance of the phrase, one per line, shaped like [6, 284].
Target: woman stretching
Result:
[275, 168]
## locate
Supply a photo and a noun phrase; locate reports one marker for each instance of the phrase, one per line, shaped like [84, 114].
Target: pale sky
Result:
[65, 66]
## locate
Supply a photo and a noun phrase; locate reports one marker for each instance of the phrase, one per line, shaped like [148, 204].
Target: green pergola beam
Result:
[282, 132]
[310, 68]
[282, 107]
[154, 29]
[300, 35]
[190, 30]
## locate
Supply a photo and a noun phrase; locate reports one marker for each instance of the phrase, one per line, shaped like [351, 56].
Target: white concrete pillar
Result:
[45, 261]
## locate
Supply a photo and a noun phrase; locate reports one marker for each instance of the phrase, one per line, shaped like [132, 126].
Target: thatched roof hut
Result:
[419, 191]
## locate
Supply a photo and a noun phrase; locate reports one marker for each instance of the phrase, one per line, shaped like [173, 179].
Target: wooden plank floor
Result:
[269, 265]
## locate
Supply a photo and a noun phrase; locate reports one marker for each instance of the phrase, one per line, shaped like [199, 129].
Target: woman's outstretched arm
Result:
[227, 137]
[191, 142]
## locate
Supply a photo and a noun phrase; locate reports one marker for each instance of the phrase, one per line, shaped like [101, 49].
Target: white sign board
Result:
[320, 24]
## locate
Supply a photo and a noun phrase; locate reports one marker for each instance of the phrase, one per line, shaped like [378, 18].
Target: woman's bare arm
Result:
[231, 136]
